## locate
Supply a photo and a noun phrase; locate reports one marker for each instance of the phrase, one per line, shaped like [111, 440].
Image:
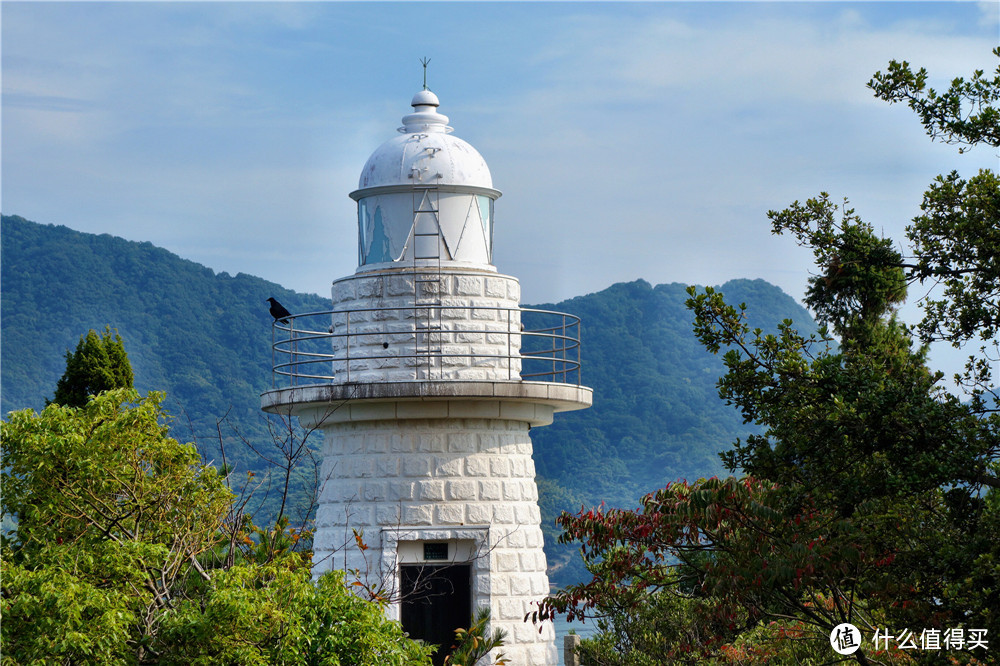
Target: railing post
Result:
[347, 343]
[294, 351]
[579, 348]
[555, 353]
[565, 344]
[510, 358]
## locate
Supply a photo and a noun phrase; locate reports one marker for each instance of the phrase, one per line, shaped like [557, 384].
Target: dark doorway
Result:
[436, 600]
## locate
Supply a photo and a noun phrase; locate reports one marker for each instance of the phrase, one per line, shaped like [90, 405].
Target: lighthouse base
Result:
[416, 509]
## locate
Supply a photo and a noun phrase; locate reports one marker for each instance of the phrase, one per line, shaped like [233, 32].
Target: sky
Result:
[630, 140]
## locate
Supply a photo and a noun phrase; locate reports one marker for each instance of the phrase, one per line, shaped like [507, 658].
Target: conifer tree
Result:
[98, 364]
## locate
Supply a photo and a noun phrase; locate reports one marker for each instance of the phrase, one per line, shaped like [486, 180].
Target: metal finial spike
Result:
[424, 61]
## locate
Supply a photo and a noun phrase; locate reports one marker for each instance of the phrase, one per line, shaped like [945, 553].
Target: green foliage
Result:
[885, 427]
[202, 338]
[104, 496]
[733, 549]
[130, 550]
[52, 615]
[475, 643]
[871, 494]
[965, 114]
[861, 280]
[109, 473]
[956, 241]
[98, 364]
[734, 571]
[865, 434]
[657, 623]
[275, 614]
[643, 626]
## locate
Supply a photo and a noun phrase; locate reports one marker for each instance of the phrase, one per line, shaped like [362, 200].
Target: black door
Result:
[436, 600]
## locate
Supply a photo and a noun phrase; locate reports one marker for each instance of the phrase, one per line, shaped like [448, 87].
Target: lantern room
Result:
[425, 197]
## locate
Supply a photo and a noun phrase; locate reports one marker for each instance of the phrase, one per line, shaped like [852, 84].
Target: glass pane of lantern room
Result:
[378, 248]
[486, 213]
[363, 239]
[427, 247]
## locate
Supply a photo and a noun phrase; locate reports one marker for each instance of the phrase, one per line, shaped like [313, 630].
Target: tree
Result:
[275, 614]
[115, 558]
[955, 242]
[965, 114]
[99, 363]
[871, 494]
[103, 495]
[956, 238]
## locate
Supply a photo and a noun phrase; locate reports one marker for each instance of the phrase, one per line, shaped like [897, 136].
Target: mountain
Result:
[201, 337]
[657, 416]
[204, 339]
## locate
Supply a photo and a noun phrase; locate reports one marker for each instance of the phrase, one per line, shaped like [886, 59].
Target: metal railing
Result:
[330, 346]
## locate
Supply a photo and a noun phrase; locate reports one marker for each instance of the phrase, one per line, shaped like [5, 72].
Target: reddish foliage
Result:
[739, 544]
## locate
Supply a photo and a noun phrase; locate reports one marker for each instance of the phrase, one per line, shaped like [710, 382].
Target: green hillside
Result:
[657, 416]
[201, 337]
[204, 338]
[655, 398]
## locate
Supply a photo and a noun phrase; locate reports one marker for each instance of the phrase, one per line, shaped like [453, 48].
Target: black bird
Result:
[278, 311]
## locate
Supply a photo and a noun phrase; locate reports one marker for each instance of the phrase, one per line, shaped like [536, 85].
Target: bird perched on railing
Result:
[278, 311]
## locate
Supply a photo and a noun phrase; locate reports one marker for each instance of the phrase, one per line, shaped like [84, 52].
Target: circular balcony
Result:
[427, 362]
[426, 343]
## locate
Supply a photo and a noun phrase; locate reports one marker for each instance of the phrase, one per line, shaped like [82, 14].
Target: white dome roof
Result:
[425, 153]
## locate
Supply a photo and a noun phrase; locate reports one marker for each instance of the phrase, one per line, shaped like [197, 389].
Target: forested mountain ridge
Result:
[187, 329]
[204, 338]
[655, 396]
[201, 337]
[657, 416]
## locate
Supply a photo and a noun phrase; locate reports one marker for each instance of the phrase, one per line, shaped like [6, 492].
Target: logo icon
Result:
[845, 638]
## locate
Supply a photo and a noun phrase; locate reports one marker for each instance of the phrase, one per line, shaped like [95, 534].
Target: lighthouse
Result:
[425, 379]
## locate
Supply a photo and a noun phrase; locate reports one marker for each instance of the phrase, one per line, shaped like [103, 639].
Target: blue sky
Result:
[630, 140]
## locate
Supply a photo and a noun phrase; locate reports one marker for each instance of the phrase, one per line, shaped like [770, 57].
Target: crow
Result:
[278, 311]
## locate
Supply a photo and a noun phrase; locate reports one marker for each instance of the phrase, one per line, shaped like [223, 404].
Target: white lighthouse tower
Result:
[425, 379]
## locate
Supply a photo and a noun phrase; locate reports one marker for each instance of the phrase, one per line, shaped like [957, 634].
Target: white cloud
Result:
[989, 14]
[635, 140]
[657, 148]
[766, 58]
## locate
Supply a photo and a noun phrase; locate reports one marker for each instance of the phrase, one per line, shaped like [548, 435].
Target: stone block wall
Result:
[403, 326]
[393, 481]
